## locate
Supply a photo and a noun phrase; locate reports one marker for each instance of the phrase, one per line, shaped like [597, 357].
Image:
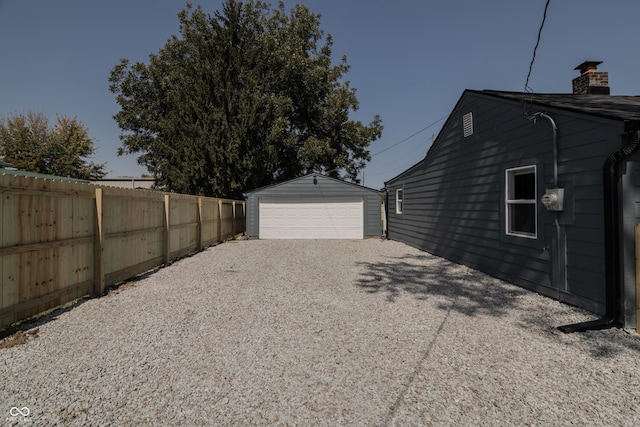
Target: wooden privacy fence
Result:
[61, 240]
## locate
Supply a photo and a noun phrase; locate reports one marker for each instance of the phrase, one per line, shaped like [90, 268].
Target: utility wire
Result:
[527, 89]
[410, 136]
[410, 155]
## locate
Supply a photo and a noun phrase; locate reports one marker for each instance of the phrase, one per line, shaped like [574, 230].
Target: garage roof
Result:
[317, 175]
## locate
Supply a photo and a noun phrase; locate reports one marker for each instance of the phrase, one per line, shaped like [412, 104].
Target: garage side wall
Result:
[323, 187]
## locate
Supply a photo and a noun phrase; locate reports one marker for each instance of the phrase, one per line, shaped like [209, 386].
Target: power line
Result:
[403, 162]
[527, 89]
[410, 136]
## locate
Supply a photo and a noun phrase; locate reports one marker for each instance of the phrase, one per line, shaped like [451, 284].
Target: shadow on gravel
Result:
[607, 345]
[34, 322]
[429, 277]
[604, 344]
[425, 276]
[53, 313]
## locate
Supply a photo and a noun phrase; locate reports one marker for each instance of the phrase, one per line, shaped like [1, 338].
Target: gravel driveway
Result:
[319, 333]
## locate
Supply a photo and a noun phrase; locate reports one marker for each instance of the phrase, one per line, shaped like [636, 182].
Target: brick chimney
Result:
[591, 81]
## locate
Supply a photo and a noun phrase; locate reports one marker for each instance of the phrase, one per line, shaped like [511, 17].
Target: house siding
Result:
[630, 217]
[326, 187]
[454, 200]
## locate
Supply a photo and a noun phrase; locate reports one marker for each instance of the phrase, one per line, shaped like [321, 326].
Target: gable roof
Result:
[316, 174]
[609, 106]
[617, 107]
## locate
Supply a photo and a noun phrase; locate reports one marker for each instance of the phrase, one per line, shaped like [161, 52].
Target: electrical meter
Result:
[553, 199]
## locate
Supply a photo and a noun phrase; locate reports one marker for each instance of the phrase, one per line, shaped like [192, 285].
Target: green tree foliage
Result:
[30, 143]
[242, 99]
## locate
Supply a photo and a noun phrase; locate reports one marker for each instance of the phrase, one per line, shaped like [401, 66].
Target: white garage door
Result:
[337, 218]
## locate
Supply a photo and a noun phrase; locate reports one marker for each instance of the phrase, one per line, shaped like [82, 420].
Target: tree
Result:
[242, 99]
[28, 142]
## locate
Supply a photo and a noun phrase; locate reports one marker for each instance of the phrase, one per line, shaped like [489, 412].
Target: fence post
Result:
[99, 244]
[233, 220]
[244, 217]
[220, 220]
[200, 228]
[167, 229]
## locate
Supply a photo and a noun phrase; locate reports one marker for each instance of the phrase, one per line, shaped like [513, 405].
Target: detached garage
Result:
[314, 207]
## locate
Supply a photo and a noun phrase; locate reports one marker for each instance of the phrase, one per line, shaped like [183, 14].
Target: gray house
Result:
[314, 206]
[539, 190]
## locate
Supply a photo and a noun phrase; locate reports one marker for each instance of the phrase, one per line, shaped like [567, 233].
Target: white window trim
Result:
[509, 202]
[399, 209]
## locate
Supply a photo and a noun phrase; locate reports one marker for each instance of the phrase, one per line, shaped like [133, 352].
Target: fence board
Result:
[226, 221]
[210, 221]
[184, 225]
[9, 280]
[52, 233]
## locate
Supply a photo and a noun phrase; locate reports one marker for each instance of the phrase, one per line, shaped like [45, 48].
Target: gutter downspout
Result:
[386, 211]
[554, 129]
[559, 260]
[611, 241]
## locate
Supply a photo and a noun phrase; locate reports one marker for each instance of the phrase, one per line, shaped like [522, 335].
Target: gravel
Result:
[319, 333]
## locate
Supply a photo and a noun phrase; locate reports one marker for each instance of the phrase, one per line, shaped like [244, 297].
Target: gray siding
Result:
[325, 187]
[454, 200]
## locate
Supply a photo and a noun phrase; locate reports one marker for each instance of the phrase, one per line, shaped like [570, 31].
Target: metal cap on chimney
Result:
[588, 67]
[591, 81]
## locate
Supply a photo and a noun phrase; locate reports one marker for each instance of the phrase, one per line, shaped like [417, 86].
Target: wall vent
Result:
[467, 124]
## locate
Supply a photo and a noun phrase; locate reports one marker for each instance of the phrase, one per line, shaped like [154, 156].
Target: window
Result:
[521, 207]
[399, 200]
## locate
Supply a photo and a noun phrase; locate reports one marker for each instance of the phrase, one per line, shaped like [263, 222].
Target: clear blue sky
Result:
[410, 59]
